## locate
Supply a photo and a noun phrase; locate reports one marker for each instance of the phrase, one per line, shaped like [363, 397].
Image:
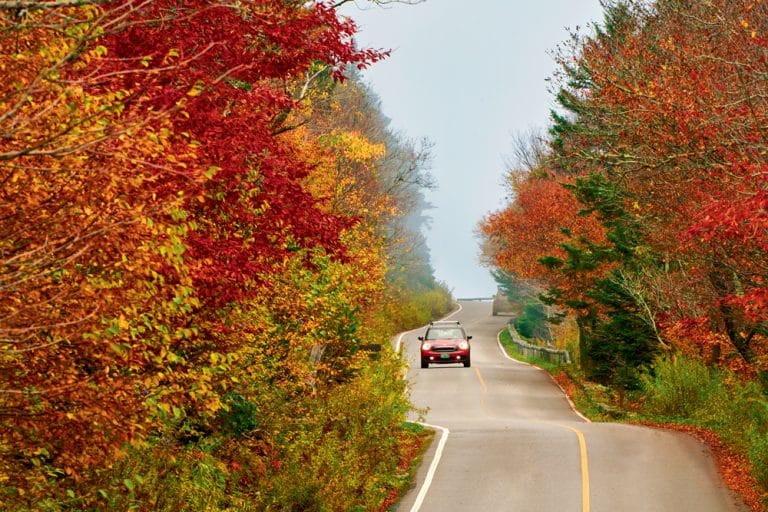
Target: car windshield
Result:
[444, 334]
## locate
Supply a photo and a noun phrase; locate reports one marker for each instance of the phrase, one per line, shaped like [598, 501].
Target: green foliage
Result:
[159, 477]
[435, 302]
[758, 454]
[620, 343]
[532, 323]
[239, 416]
[344, 456]
[413, 428]
[409, 308]
[532, 320]
[335, 450]
[524, 326]
[617, 340]
[679, 387]
[618, 18]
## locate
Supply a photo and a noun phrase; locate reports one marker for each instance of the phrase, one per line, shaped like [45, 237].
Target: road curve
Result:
[511, 442]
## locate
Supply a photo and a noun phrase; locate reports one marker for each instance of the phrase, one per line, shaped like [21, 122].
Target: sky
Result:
[468, 75]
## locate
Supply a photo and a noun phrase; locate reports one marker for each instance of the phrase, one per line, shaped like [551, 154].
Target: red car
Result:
[444, 343]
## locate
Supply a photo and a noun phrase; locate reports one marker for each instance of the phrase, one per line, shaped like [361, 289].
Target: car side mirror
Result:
[469, 337]
[421, 338]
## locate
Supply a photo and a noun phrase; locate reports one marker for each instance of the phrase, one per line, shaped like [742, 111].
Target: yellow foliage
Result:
[356, 147]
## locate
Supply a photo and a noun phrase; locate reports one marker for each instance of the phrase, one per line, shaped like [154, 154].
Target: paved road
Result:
[515, 444]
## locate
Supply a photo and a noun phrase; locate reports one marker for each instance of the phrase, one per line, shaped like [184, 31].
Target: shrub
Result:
[162, 477]
[679, 387]
[240, 416]
[344, 456]
[524, 326]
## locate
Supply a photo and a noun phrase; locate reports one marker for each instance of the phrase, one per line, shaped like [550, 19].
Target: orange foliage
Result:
[85, 235]
[543, 216]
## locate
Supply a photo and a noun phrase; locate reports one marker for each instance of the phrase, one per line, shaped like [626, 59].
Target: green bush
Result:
[329, 450]
[408, 309]
[679, 387]
[239, 417]
[525, 327]
[160, 478]
[343, 457]
[276, 445]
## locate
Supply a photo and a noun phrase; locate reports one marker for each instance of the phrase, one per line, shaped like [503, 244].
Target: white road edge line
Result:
[570, 402]
[444, 431]
[432, 467]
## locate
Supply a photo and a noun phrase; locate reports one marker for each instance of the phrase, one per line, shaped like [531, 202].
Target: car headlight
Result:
[426, 346]
[464, 345]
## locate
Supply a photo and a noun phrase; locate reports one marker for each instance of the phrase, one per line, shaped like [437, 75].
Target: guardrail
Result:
[548, 354]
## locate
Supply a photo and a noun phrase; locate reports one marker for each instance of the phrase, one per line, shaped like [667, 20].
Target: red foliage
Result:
[543, 217]
[696, 338]
[238, 65]
[669, 104]
[566, 383]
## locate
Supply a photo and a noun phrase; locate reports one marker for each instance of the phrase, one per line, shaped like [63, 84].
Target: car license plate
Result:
[445, 356]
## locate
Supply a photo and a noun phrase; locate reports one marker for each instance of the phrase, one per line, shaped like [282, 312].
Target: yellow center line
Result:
[482, 382]
[584, 467]
[582, 450]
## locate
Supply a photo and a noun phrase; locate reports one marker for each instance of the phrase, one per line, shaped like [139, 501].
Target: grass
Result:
[511, 348]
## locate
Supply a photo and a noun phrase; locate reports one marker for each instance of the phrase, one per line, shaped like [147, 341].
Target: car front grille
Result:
[444, 349]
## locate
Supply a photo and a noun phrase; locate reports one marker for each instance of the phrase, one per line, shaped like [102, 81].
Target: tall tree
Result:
[147, 195]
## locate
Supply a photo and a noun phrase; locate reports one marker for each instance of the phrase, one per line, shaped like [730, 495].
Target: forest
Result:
[207, 231]
[642, 212]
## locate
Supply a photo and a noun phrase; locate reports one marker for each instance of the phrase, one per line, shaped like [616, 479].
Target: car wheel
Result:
[424, 365]
[467, 363]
